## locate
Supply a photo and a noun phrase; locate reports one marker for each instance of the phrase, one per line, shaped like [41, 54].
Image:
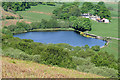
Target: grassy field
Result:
[43, 8]
[112, 48]
[33, 17]
[39, 12]
[105, 30]
[114, 6]
[13, 68]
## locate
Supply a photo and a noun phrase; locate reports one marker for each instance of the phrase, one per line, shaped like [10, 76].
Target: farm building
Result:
[105, 20]
[86, 15]
[95, 18]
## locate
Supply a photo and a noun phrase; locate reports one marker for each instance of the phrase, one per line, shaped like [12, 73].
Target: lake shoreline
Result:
[46, 30]
[87, 35]
[94, 36]
[68, 29]
[72, 36]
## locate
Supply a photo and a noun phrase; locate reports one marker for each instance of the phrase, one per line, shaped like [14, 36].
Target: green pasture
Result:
[114, 7]
[43, 8]
[105, 29]
[33, 17]
[112, 48]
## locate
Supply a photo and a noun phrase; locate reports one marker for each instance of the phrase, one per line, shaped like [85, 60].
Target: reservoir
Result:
[70, 37]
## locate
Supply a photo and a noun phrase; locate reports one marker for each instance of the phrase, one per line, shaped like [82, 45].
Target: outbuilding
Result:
[105, 20]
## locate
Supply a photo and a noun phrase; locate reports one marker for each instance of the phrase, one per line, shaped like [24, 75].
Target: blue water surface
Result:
[69, 37]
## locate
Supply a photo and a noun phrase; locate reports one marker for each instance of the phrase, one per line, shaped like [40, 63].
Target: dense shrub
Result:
[52, 23]
[16, 53]
[10, 17]
[84, 65]
[57, 56]
[64, 45]
[104, 59]
[21, 6]
[101, 10]
[6, 31]
[18, 28]
[64, 24]
[51, 54]
[27, 40]
[23, 27]
[84, 53]
[86, 7]
[35, 25]
[37, 58]
[51, 3]
[82, 24]
[96, 48]
[15, 6]
[67, 10]
[20, 17]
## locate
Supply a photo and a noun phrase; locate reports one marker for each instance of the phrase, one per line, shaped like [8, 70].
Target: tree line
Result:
[72, 9]
[21, 6]
[23, 27]
[82, 24]
[67, 10]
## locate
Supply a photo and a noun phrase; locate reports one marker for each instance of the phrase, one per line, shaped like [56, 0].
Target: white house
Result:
[105, 20]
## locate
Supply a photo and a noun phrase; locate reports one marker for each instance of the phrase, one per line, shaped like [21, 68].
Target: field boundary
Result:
[40, 12]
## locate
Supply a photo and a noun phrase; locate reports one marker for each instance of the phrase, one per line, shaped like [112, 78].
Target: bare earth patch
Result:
[13, 22]
[5, 13]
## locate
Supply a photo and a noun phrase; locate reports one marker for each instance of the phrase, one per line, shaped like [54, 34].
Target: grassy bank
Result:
[112, 48]
[54, 29]
[14, 68]
[48, 29]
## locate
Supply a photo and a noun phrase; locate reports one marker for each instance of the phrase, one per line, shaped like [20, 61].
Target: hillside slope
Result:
[13, 68]
[7, 22]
